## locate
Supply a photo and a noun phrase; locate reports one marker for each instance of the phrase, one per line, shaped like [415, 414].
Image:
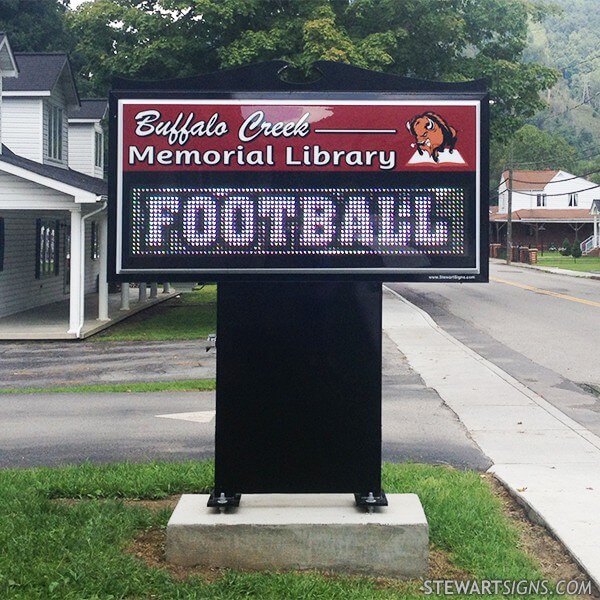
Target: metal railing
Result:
[588, 245]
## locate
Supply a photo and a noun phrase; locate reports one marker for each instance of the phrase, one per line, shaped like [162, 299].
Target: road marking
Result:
[205, 416]
[546, 292]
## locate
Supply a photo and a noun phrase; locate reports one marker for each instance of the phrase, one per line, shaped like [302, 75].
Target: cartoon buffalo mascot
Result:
[432, 134]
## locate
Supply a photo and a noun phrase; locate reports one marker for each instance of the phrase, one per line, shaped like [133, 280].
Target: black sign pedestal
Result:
[298, 390]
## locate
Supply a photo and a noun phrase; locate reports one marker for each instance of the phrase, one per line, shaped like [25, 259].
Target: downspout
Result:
[82, 266]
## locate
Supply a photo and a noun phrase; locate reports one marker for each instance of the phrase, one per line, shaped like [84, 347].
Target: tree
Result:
[452, 40]
[532, 148]
[34, 26]
[566, 247]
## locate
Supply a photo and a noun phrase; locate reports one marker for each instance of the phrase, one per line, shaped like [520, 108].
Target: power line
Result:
[497, 188]
[560, 180]
[579, 62]
[564, 112]
[592, 155]
[554, 195]
[542, 161]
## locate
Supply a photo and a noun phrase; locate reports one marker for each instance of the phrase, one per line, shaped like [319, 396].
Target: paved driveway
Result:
[43, 364]
[57, 429]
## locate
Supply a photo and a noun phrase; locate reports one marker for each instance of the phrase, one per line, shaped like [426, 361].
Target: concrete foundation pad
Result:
[302, 531]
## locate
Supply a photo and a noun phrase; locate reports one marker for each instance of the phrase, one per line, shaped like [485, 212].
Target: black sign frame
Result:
[264, 81]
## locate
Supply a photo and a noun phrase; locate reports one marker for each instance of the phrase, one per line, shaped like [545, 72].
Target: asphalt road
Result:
[541, 328]
[59, 429]
[55, 364]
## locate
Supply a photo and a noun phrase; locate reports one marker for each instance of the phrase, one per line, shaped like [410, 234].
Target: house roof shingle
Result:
[92, 109]
[530, 180]
[69, 176]
[41, 72]
[38, 72]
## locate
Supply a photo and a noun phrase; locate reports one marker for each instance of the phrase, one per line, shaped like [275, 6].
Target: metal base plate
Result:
[223, 501]
[370, 499]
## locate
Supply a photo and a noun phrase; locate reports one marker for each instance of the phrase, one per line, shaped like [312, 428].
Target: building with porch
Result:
[53, 198]
[547, 207]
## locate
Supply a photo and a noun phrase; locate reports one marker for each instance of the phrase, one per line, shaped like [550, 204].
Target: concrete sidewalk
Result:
[550, 463]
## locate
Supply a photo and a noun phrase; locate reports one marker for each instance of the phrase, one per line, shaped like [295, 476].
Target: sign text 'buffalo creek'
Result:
[186, 126]
[221, 222]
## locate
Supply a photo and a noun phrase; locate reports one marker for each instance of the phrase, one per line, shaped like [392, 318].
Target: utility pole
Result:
[509, 216]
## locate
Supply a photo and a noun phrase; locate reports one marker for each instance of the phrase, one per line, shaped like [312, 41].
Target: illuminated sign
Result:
[304, 185]
[181, 221]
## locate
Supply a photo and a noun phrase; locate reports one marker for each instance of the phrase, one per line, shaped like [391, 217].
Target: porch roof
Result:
[83, 187]
[543, 215]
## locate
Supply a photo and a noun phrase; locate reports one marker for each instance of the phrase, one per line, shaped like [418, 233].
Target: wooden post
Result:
[509, 218]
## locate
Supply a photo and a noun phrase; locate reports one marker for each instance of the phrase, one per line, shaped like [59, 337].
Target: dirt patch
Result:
[155, 505]
[555, 562]
[536, 541]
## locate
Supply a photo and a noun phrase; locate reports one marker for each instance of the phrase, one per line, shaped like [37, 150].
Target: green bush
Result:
[576, 250]
[566, 248]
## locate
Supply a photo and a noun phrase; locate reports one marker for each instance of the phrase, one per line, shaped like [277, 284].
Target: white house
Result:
[547, 207]
[53, 233]
[52, 216]
[549, 190]
[86, 137]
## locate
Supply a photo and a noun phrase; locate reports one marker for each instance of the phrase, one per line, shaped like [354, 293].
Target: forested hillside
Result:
[568, 39]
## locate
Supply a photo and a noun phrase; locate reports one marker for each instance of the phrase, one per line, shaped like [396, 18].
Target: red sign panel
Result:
[299, 136]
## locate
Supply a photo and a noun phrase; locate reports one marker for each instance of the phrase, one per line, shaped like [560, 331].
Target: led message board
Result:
[259, 185]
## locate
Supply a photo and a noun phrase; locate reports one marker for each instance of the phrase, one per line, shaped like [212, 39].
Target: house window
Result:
[541, 200]
[98, 150]
[1, 244]
[55, 132]
[573, 200]
[95, 245]
[46, 248]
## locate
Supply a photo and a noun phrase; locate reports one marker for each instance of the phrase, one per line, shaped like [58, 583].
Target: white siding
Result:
[564, 184]
[19, 289]
[22, 125]
[82, 148]
[80, 156]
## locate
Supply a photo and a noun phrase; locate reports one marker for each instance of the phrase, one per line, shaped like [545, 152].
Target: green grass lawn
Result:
[554, 259]
[189, 316]
[183, 385]
[65, 532]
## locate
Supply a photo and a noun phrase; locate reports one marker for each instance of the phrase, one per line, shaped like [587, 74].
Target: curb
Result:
[552, 270]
